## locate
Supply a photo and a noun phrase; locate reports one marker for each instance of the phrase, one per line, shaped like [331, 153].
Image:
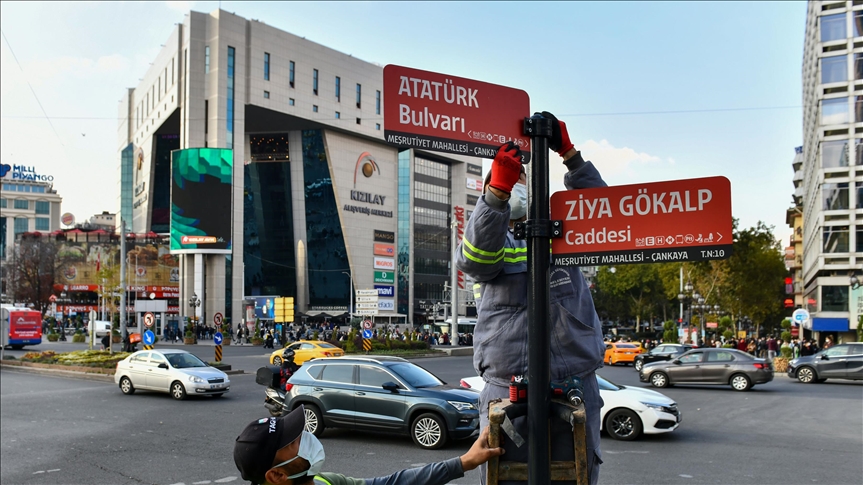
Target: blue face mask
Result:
[518, 202]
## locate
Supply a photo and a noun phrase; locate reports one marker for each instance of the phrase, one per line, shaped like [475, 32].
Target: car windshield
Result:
[626, 346]
[325, 345]
[415, 375]
[183, 361]
[607, 385]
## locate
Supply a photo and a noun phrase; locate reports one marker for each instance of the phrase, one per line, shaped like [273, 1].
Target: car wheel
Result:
[178, 391]
[428, 431]
[739, 382]
[638, 365]
[659, 379]
[126, 386]
[623, 424]
[806, 375]
[277, 360]
[17, 347]
[314, 420]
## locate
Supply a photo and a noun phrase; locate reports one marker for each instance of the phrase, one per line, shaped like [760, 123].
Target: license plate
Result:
[215, 386]
[628, 353]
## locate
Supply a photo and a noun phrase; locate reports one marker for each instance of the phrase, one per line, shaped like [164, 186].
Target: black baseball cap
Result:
[255, 449]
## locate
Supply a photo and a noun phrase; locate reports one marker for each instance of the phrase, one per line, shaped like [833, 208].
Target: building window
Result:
[834, 111]
[22, 204]
[42, 224]
[860, 239]
[858, 147]
[266, 95]
[229, 122]
[338, 115]
[835, 239]
[858, 66]
[290, 101]
[834, 196]
[472, 199]
[378, 126]
[2, 203]
[359, 95]
[834, 154]
[833, 27]
[291, 73]
[359, 121]
[266, 66]
[338, 89]
[315, 81]
[314, 108]
[859, 187]
[43, 207]
[834, 69]
[858, 109]
[377, 102]
[206, 59]
[834, 298]
[22, 224]
[858, 23]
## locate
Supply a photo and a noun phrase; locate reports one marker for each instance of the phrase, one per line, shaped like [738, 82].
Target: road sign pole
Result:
[537, 230]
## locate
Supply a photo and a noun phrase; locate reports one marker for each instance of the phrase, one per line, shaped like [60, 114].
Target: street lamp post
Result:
[351, 303]
[194, 303]
[684, 296]
[63, 324]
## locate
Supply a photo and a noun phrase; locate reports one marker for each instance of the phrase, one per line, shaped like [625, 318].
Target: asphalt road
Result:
[65, 430]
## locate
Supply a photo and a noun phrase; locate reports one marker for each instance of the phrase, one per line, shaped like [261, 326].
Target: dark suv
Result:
[660, 353]
[383, 394]
[843, 361]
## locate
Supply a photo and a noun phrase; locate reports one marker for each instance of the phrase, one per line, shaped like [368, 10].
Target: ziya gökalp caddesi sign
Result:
[443, 113]
[679, 220]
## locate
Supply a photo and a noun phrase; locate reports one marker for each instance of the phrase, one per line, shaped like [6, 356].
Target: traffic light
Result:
[789, 285]
[284, 310]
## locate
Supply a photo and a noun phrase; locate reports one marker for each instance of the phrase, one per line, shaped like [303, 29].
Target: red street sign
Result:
[679, 220]
[443, 113]
[795, 331]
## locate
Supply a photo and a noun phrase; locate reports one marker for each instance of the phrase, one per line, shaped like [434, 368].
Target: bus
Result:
[21, 326]
[465, 325]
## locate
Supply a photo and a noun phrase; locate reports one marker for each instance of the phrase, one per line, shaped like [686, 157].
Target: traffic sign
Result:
[443, 113]
[218, 349]
[367, 305]
[217, 338]
[680, 220]
[367, 324]
[367, 333]
[800, 317]
[149, 319]
[365, 311]
[217, 318]
[149, 337]
[367, 344]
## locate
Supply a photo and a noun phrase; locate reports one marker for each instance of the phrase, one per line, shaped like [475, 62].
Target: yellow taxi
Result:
[621, 352]
[307, 350]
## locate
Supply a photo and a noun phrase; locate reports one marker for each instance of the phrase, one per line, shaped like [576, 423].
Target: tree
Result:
[638, 285]
[33, 268]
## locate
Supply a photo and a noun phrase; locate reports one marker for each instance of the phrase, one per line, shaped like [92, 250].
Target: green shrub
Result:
[727, 346]
[79, 338]
[786, 352]
[53, 337]
[728, 334]
[786, 324]
[786, 336]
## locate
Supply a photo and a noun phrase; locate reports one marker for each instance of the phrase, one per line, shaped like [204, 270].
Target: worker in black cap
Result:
[278, 451]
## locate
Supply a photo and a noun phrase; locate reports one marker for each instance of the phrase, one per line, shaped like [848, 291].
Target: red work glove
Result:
[506, 167]
[559, 137]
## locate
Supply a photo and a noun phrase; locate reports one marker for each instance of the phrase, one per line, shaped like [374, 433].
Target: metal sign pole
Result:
[537, 231]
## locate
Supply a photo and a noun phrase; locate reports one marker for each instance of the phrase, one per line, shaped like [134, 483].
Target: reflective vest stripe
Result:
[480, 251]
[322, 480]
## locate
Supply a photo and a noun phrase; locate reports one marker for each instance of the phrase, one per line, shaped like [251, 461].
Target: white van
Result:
[102, 327]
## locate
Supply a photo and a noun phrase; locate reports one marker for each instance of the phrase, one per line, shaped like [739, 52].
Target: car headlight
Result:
[793, 362]
[196, 379]
[462, 406]
[653, 405]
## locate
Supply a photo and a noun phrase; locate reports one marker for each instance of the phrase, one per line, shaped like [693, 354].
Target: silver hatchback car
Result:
[173, 371]
[709, 366]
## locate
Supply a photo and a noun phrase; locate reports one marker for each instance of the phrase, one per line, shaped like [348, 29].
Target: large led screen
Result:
[201, 200]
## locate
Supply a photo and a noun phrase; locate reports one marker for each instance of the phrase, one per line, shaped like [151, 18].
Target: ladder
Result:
[575, 470]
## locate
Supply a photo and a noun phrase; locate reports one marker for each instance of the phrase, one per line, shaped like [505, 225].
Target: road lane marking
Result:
[225, 480]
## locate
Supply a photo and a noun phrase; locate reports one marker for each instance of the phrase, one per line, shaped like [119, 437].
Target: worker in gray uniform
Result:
[497, 262]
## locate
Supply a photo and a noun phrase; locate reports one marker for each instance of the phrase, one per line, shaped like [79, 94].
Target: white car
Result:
[627, 411]
[173, 371]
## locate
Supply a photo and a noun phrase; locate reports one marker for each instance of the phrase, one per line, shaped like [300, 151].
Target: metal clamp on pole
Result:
[537, 230]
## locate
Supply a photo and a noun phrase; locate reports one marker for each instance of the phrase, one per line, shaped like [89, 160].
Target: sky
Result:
[649, 91]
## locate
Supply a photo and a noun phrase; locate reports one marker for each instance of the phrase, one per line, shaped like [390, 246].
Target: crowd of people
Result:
[762, 347]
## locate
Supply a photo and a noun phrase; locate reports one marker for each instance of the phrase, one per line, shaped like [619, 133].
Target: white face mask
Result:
[312, 451]
[518, 202]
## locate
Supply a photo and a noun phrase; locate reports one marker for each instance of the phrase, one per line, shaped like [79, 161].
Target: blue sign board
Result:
[149, 337]
[367, 333]
[385, 290]
[217, 338]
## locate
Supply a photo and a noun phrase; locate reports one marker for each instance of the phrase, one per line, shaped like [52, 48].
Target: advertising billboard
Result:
[265, 306]
[201, 200]
[150, 266]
